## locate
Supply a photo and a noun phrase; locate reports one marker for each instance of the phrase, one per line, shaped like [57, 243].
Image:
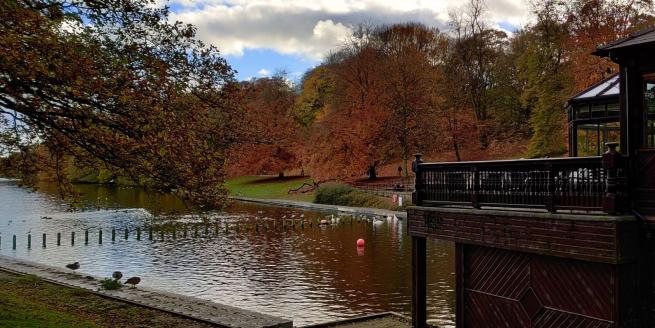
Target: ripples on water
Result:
[310, 275]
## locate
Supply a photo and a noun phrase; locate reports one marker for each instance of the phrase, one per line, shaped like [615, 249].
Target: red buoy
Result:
[360, 242]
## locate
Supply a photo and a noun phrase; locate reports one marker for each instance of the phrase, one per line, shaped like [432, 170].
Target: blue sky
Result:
[260, 37]
[254, 63]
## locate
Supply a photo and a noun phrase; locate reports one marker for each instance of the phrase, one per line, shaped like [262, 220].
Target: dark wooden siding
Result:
[515, 289]
[601, 240]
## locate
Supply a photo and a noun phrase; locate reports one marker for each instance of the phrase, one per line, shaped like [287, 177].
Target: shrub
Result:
[340, 194]
[110, 284]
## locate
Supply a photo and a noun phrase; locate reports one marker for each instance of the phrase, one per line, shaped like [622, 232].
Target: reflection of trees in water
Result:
[91, 196]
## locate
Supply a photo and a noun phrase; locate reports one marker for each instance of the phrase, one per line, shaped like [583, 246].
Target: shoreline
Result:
[367, 211]
[185, 306]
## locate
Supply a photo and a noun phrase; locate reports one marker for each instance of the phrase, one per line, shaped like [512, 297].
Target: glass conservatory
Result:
[594, 118]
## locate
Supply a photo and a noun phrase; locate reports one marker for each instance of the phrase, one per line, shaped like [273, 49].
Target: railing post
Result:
[611, 160]
[550, 200]
[476, 188]
[418, 184]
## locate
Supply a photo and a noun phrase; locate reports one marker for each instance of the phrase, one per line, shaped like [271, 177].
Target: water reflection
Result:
[308, 274]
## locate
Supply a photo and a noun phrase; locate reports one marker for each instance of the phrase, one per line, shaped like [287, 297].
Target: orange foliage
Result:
[269, 140]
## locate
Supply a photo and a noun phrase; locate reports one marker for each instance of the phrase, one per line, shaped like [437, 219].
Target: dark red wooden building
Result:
[552, 242]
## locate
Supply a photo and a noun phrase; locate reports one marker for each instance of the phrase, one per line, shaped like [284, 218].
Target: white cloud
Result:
[312, 28]
[264, 72]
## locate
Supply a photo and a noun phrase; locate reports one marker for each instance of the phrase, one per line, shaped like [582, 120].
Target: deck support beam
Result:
[419, 282]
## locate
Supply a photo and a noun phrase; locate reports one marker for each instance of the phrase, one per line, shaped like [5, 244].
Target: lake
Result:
[307, 274]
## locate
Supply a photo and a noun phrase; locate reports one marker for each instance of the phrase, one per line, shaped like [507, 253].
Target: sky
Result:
[262, 37]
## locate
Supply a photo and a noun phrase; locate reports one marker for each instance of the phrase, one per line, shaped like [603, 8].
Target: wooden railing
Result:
[581, 183]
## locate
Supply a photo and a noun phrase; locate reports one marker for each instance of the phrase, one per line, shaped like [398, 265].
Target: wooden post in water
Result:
[127, 232]
[161, 233]
[227, 230]
[216, 229]
[113, 235]
[14, 243]
[86, 237]
[29, 241]
[138, 233]
[195, 230]
[43, 240]
[58, 238]
[206, 229]
[72, 238]
[184, 233]
[150, 233]
[99, 236]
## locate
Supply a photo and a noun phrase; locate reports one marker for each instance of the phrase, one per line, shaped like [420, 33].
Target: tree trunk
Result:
[372, 174]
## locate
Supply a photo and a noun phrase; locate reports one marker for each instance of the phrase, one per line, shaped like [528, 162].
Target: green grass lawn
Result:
[26, 301]
[270, 187]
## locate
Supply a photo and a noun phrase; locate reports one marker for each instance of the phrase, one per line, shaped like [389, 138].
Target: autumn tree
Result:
[117, 82]
[475, 50]
[316, 95]
[268, 129]
[590, 23]
[344, 141]
[548, 85]
[412, 54]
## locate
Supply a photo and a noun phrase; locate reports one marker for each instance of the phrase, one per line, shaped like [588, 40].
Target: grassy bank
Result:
[341, 194]
[270, 187]
[330, 193]
[27, 301]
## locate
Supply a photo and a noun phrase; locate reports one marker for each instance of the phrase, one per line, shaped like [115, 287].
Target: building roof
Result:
[638, 38]
[606, 88]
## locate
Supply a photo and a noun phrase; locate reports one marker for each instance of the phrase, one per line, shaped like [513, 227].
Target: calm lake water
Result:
[310, 275]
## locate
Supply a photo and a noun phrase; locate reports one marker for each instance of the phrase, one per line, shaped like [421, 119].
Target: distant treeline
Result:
[470, 92]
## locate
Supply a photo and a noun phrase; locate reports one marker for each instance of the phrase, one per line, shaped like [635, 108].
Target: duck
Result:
[133, 281]
[117, 275]
[73, 266]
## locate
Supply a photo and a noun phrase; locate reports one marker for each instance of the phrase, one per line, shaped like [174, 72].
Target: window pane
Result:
[649, 102]
[582, 111]
[588, 140]
[610, 132]
[598, 111]
[613, 109]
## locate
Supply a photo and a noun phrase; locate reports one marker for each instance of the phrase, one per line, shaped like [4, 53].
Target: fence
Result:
[186, 230]
[588, 184]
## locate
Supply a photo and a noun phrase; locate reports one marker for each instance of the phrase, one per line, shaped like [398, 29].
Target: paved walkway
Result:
[322, 207]
[191, 307]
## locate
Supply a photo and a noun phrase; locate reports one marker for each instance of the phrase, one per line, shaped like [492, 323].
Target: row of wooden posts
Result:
[172, 229]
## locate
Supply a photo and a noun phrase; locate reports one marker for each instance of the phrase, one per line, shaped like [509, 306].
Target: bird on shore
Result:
[117, 275]
[133, 281]
[73, 266]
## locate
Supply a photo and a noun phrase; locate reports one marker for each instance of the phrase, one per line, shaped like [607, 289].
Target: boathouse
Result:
[564, 242]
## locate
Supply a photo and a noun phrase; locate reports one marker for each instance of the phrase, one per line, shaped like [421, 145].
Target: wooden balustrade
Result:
[581, 183]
